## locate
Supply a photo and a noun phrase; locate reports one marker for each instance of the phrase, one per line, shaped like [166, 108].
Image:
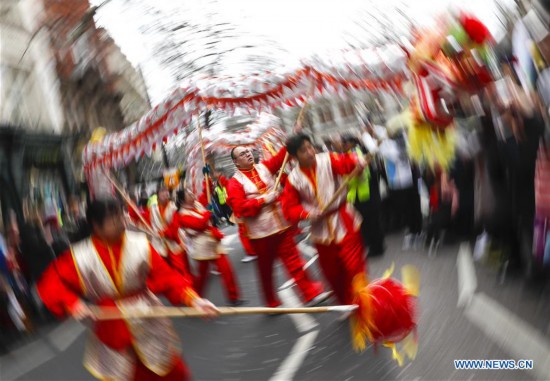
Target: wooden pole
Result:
[130, 203]
[298, 120]
[112, 313]
[206, 177]
[281, 171]
[344, 185]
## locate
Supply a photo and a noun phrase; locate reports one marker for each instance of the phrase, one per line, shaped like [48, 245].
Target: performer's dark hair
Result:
[99, 210]
[295, 142]
[349, 139]
[232, 152]
[180, 198]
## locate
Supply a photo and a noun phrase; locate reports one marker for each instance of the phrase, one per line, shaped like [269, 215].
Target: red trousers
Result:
[180, 262]
[227, 275]
[247, 246]
[178, 373]
[341, 262]
[282, 246]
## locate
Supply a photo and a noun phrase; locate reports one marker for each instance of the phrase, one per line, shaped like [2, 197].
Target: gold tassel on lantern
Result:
[432, 147]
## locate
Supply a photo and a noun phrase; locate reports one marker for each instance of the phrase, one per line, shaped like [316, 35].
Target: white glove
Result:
[206, 306]
[270, 197]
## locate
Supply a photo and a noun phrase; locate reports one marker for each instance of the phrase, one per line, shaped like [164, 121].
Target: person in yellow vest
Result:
[221, 195]
[364, 194]
[117, 267]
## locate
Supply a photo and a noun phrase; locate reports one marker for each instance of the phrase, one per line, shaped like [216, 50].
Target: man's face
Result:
[348, 146]
[306, 155]
[112, 228]
[243, 158]
[163, 196]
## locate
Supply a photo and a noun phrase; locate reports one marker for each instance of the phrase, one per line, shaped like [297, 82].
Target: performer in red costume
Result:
[193, 222]
[203, 197]
[253, 200]
[249, 254]
[335, 233]
[116, 267]
[159, 216]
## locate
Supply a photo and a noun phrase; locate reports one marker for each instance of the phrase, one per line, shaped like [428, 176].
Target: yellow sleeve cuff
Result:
[189, 295]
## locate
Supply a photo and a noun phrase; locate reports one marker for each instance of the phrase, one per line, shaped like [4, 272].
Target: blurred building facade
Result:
[29, 87]
[61, 77]
[331, 116]
[88, 94]
[127, 81]
[31, 111]
[327, 118]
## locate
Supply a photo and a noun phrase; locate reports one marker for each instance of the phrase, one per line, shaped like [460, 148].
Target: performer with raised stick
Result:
[313, 192]
[253, 198]
[204, 243]
[120, 269]
[157, 217]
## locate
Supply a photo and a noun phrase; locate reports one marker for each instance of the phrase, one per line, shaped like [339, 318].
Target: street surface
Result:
[464, 313]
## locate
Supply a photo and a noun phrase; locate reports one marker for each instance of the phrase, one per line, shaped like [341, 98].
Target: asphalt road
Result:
[464, 313]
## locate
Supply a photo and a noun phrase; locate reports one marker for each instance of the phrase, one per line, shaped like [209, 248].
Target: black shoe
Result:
[238, 302]
[373, 254]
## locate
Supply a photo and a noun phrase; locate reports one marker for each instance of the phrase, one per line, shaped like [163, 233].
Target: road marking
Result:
[66, 334]
[296, 357]
[499, 324]
[518, 338]
[15, 365]
[29, 357]
[467, 281]
[303, 322]
[291, 282]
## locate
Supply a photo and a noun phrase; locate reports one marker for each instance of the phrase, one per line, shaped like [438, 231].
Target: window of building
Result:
[325, 114]
[343, 110]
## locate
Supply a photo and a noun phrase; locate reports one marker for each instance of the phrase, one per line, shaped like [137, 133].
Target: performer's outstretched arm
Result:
[164, 280]
[276, 162]
[343, 163]
[59, 287]
[243, 207]
[171, 231]
[194, 222]
[292, 208]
